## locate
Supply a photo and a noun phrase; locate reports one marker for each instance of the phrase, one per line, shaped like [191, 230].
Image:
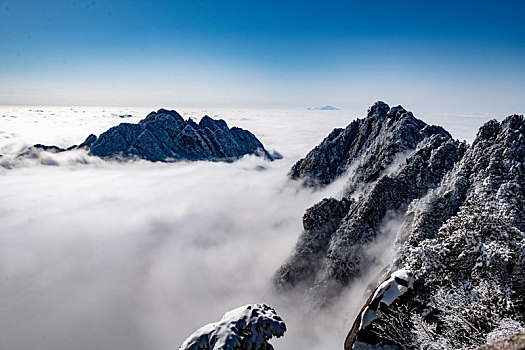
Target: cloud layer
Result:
[137, 255]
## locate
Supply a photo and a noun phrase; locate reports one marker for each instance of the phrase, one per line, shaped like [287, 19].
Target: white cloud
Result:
[137, 255]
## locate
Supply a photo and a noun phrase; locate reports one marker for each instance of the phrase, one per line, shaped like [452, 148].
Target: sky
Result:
[451, 56]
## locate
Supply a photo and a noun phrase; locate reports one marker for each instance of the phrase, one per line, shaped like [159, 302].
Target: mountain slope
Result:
[390, 158]
[465, 244]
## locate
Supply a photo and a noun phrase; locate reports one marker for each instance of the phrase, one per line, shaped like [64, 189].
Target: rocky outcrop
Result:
[465, 243]
[245, 328]
[33, 151]
[165, 136]
[88, 142]
[390, 159]
[319, 222]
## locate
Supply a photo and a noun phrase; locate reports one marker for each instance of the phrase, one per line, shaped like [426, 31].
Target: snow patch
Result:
[396, 285]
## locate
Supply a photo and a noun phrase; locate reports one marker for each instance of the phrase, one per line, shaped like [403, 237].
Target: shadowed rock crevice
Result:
[319, 222]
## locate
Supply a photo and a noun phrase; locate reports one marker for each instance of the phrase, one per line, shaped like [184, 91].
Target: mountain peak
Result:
[379, 108]
[165, 136]
[368, 145]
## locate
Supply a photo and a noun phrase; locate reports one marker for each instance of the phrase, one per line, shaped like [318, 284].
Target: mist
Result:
[101, 254]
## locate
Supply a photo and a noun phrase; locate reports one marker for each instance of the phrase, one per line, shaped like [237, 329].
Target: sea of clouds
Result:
[101, 254]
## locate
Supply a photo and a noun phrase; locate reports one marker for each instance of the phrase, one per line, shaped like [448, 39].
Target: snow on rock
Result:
[247, 327]
[367, 146]
[465, 244]
[462, 234]
[396, 285]
[390, 158]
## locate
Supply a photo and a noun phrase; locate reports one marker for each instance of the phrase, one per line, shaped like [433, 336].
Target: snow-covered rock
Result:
[390, 158]
[465, 243]
[462, 229]
[248, 327]
[365, 148]
[385, 294]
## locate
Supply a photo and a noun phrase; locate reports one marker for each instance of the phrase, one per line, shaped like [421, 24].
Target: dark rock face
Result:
[391, 158]
[32, 152]
[319, 222]
[90, 140]
[465, 244]
[165, 136]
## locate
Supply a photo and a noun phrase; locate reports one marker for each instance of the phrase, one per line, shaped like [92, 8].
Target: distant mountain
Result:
[165, 136]
[325, 108]
[458, 213]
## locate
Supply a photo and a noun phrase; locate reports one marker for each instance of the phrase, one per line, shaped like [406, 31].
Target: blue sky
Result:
[458, 55]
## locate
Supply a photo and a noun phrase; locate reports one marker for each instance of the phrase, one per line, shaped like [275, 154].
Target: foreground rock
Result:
[245, 328]
[390, 158]
[165, 136]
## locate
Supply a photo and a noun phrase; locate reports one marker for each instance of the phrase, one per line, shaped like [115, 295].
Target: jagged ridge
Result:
[165, 136]
[465, 242]
[390, 158]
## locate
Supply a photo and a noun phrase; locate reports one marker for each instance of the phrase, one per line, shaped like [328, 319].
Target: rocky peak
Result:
[390, 158]
[212, 124]
[365, 148]
[163, 115]
[165, 136]
[379, 109]
[396, 112]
